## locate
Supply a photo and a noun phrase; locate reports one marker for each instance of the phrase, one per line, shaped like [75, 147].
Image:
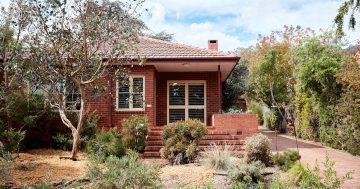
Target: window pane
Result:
[176, 115]
[123, 86]
[197, 114]
[196, 94]
[138, 101]
[124, 101]
[177, 94]
[138, 85]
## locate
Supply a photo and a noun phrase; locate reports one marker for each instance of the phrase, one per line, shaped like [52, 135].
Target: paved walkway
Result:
[312, 152]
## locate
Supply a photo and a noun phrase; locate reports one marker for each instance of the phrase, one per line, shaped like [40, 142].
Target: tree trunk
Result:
[76, 143]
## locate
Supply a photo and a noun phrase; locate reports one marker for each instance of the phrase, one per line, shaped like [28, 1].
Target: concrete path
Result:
[312, 152]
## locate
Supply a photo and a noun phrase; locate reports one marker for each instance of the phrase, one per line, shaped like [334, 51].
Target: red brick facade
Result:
[212, 95]
[155, 97]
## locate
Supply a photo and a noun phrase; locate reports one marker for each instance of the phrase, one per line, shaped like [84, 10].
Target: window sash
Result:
[191, 103]
[134, 92]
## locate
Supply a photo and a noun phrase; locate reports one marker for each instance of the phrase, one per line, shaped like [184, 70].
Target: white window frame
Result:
[186, 106]
[130, 95]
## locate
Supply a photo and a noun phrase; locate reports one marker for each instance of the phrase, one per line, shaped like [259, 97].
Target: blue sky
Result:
[235, 23]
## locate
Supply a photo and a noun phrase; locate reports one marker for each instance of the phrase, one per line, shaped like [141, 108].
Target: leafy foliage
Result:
[286, 160]
[135, 131]
[105, 144]
[348, 115]
[235, 86]
[181, 140]
[257, 148]
[349, 6]
[257, 109]
[163, 35]
[125, 172]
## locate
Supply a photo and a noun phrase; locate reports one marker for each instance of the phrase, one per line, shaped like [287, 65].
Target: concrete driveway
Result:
[312, 152]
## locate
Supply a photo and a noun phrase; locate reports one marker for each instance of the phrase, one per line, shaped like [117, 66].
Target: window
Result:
[186, 100]
[130, 94]
[73, 97]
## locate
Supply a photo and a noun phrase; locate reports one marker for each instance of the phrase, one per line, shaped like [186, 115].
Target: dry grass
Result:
[219, 157]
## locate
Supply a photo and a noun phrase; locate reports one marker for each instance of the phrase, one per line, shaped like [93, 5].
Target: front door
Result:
[186, 100]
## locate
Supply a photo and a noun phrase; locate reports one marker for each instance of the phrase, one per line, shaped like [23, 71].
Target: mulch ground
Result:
[45, 165]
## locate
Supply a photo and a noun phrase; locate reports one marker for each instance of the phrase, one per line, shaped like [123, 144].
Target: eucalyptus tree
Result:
[351, 8]
[72, 46]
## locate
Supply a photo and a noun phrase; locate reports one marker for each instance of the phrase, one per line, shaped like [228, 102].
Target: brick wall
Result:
[212, 95]
[106, 104]
[236, 124]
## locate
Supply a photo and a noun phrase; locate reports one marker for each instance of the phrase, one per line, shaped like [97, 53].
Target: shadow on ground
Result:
[284, 143]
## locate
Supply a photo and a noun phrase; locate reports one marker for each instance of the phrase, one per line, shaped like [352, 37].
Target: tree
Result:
[236, 85]
[349, 6]
[72, 46]
[163, 35]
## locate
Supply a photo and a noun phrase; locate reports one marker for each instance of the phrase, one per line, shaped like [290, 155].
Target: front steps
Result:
[154, 142]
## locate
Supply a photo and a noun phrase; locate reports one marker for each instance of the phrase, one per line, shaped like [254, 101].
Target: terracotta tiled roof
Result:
[158, 49]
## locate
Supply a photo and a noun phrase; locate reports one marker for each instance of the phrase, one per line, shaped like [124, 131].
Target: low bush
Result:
[11, 139]
[270, 120]
[286, 160]
[135, 131]
[247, 175]
[106, 143]
[64, 140]
[218, 157]
[256, 109]
[181, 140]
[257, 148]
[125, 172]
[303, 177]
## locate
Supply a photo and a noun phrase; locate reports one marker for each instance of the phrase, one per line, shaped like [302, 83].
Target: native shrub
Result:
[256, 109]
[106, 143]
[270, 120]
[181, 140]
[257, 148]
[218, 157]
[286, 160]
[135, 131]
[348, 116]
[124, 172]
[303, 177]
[247, 175]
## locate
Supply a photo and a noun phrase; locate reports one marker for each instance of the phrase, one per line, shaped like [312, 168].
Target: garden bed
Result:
[45, 165]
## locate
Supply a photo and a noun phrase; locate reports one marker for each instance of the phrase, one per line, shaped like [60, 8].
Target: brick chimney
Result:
[213, 45]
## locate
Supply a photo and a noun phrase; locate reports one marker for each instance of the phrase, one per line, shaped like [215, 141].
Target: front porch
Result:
[230, 129]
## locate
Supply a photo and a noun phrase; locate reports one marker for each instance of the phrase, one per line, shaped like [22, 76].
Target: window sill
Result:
[131, 110]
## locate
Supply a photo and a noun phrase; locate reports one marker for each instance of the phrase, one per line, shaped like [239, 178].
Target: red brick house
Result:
[177, 82]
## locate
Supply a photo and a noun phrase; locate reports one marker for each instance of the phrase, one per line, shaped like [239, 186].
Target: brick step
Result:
[154, 143]
[151, 154]
[152, 138]
[217, 132]
[155, 133]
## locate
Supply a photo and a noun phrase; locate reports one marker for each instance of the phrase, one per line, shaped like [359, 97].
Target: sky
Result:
[236, 23]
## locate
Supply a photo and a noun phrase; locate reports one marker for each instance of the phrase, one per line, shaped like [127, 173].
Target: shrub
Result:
[256, 109]
[181, 140]
[247, 174]
[62, 141]
[286, 160]
[218, 157]
[106, 143]
[258, 148]
[135, 131]
[303, 177]
[348, 116]
[125, 172]
[11, 139]
[270, 120]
